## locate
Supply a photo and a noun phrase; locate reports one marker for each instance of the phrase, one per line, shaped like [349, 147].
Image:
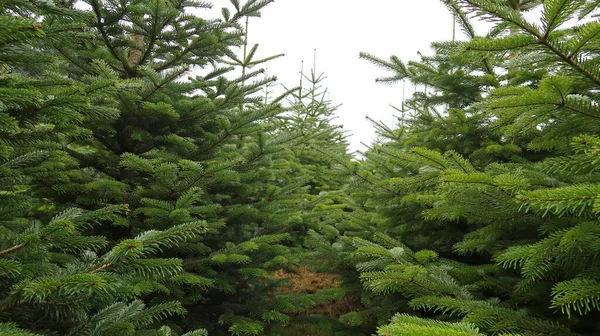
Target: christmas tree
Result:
[485, 192]
[160, 189]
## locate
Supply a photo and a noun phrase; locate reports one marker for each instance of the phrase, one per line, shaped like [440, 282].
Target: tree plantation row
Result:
[152, 184]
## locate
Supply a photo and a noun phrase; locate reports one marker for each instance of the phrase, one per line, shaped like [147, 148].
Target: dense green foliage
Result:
[486, 193]
[134, 196]
[150, 183]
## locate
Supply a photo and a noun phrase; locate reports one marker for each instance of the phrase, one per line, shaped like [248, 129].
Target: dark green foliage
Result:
[486, 193]
[311, 116]
[214, 193]
[149, 187]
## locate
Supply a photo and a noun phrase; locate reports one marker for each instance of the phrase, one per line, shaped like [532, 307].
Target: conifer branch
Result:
[569, 60]
[90, 163]
[153, 38]
[354, 172]
[583, 42]
[542, 39]
[100, 26]
[13, 305]
[101, 268]
[14, 248]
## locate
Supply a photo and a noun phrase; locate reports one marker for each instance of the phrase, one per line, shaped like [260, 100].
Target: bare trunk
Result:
[136, 54]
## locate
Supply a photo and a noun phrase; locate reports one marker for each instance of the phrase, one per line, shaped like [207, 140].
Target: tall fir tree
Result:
[502, 242]
[53, 270]
[209, 183]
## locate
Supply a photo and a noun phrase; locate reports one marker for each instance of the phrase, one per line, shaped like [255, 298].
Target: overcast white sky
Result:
[339, 30]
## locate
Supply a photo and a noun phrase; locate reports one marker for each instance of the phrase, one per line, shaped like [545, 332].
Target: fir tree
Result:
[48, 264]
[491, 240]
[311, 116]
[198, 156]
[211, 185]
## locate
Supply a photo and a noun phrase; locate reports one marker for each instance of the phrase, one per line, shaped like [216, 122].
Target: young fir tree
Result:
[311, 116]
[504, 242]
[276, 187]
